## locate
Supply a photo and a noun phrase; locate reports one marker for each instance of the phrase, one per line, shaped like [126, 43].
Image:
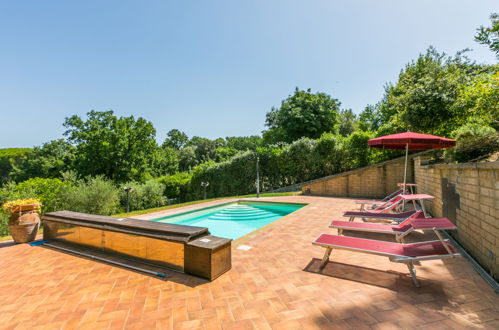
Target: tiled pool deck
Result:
[274, 285]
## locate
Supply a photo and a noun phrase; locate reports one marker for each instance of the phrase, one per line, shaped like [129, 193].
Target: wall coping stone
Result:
[363, 168]
[485, 166]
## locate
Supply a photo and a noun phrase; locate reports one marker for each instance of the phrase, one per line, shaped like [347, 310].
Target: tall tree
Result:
[490, 35]
[121, 148]
[423, 98]
[347, 121]
[243, 143]
[303, 114]
[187, 158]
[369, 119]
[175, 139]
[46, 161]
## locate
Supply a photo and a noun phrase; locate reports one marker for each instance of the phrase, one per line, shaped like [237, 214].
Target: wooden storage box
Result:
[208, 257]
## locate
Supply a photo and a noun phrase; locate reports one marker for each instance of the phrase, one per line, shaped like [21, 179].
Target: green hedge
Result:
[302, 160]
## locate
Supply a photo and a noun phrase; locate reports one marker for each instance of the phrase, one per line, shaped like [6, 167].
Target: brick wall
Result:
[372, 181]
[468, 194]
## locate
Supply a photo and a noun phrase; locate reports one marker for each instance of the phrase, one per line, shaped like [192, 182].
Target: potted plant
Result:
[24, 219]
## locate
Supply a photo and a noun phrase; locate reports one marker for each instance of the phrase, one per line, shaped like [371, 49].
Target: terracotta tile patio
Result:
[274, 285]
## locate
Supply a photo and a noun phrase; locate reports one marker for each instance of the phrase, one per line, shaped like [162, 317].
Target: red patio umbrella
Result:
[410, 141]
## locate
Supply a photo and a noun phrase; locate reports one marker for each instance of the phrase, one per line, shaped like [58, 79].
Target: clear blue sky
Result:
[210, 68]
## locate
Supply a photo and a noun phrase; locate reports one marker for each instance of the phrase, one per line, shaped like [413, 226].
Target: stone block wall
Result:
[468, 194]
[374, 181]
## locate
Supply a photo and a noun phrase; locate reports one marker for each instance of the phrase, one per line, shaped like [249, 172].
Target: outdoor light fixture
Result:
[127, 189]
[257, 177]
[204, 185]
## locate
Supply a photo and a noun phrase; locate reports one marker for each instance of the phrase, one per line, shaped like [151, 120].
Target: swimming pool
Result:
[233, 220]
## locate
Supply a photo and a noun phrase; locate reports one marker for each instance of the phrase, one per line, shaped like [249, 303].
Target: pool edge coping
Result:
[240, 240]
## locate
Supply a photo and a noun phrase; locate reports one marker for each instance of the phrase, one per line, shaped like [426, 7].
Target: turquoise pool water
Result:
[233, 220]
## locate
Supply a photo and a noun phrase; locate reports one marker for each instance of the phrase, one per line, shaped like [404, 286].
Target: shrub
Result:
[176, 185]
[49, 191]
[4, 224]
[297, 160]
[144, 195]
[476, 148]
[473, 141]
[358, 153]
[472, 130]
[9, 159]
[93, 195]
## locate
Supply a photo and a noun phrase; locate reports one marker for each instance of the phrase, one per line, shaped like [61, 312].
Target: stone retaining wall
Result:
[375, 181]
[468, 194]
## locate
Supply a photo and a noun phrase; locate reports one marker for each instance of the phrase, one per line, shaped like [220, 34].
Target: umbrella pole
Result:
[405, 167]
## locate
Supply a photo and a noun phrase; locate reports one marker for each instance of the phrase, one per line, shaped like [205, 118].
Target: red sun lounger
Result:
[409, 189]
[374, 203]
[415, 222]
[390, 205]
[397, 252]
[395, 217]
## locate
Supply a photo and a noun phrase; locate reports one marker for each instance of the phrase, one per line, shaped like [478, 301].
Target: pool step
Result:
[242, 213]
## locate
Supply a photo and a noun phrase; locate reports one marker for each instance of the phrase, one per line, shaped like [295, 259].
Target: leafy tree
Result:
[120, 148]
[224, 153]
[423, 98]
[347, 122]
[205, 148]
[9, 159]
[490, 35]
[243, 143]
[479, 101]
[165, 161]
[47, 161]
[274, 136]
[302, 114]
[176, 139]
[369, 119]
[187, 158]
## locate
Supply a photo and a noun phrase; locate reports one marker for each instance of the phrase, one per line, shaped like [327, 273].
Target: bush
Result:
[93, 195]
[176, 185]
[9, 159]
[329, 155]
[144, 195]
[476, 148]
[4, 224]
[473, 141]
[297, 160]
[49, 191]
[472, 130]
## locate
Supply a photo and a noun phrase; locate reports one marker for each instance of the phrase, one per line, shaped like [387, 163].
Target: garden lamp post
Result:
[257, 177]
[204, 185]
[128, 189]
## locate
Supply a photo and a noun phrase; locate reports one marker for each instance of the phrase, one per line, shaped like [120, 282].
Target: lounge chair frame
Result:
[403, 188]
[399, 234]
[409, 261]
[381, 216]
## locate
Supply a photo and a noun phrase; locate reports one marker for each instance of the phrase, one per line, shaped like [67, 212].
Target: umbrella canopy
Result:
[410, 141]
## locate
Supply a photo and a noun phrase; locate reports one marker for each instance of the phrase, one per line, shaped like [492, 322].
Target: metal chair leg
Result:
[412, 270]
